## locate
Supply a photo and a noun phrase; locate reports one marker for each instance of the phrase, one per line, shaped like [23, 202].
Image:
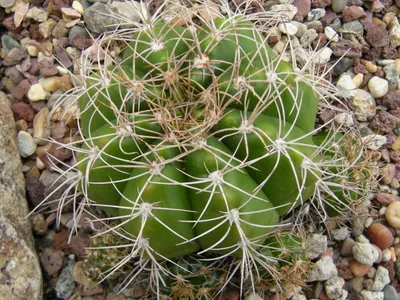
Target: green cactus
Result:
[199, 139]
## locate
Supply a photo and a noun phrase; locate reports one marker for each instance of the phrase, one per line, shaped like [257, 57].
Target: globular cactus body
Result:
[200, 138]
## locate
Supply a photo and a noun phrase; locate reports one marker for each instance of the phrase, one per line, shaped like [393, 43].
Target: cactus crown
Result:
[198, 137]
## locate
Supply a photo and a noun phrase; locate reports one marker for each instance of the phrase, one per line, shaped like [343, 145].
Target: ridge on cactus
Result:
[199, 139]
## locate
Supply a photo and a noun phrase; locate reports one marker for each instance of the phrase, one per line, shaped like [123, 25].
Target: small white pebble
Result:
[345, 82]
[331, 34]
[36, 92]
[288, 28]
[368, 222]
[378, 87]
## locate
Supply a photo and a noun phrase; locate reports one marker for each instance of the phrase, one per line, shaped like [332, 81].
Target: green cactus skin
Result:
[200, 140]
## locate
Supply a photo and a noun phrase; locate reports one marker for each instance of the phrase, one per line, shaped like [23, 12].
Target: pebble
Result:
[363, 104]
[340, 234]
[316, 14]
[46, 27]
[380, 235]
[134, 11]
[345, 82]
[386, 199]
[37, 14]
[365, 253]
[26, 144]
[253, 296]
[52, 260]
[289, 28]
[7, 3]
[39, 224]
[331, 34]
[390, 293]
[368, 295]
[378, 87]
[381, 279]
[41, 127]
[334, 287]
[288, 10]
[36, 92]
[65, 283]
[347, 247]
[9, 43]
[391, 73]
[386, 255]
[393, 215]
[308, 37]
[78, 7]
[49, 84]
[374, 141]
[98, 18]
[323, 269]
[353, 27]
[338, 5]
[317, 245]
[358, 269]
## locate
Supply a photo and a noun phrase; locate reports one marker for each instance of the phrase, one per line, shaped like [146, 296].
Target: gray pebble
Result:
[338, 5]
[98, 18]
[26, 144]
[77, 31]
[391, 73]
[365, 253]
[340, 234]
[65, 283]
[363, 104]
[316, 244]
[9, 43]
[353, 27]
[323, 269]
[390, 293]
[368, 295]
[316, 14]
[7, 3]
[343, 65]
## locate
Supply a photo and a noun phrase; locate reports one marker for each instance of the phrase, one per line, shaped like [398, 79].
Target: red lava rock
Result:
[330, 15]
[347, 48]
[88, 223]
[359, 270]
[23, 111]
[78, 244]
[35, 68]
[303, 7]
[347, 247]
[392, 99]
[320, 42]
[384, 122]
[21, 90]
[352, 12]
[380, 235]
[52, 260]
[377, 36]
[386, 199]
[47, 69]
[9, 24]
[34, 188]
[60, 241]
[320, 3]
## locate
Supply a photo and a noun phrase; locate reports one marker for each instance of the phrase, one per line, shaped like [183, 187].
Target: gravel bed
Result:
[356, 258]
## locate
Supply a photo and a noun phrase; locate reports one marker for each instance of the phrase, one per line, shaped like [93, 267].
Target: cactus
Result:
[199, 138]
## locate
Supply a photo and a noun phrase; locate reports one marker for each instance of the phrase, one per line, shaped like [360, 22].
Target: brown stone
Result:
[52, 260]
[352, 12]
[380, 235]
[23, 111]
[386, 199]
[359, 270]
